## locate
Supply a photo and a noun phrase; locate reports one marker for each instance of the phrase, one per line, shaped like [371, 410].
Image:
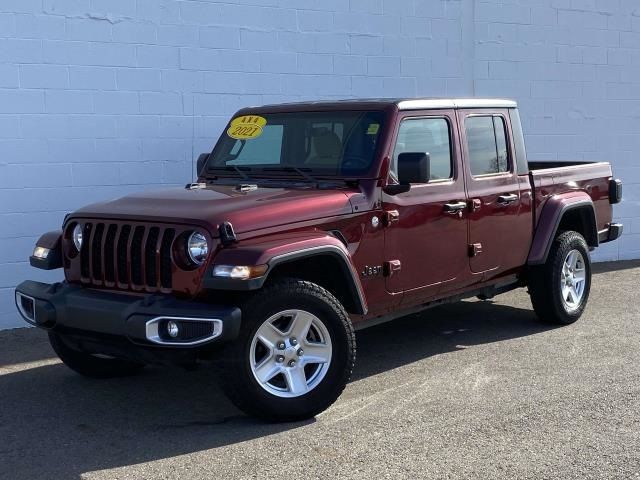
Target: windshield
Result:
[306, 143]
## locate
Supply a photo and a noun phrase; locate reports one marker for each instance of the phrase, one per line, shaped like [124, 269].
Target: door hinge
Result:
[391, 216]
[475, 249]
[391, 267]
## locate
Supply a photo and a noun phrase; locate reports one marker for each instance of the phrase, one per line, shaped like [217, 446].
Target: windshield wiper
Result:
[289, 168]
[231, 168]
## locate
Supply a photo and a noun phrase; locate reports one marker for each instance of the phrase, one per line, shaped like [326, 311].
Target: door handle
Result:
[454, 207]
[507, 199]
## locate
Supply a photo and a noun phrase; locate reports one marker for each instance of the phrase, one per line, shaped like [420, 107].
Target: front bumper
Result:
[137, 321]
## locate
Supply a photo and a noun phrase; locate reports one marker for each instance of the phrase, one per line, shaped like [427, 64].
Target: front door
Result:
[493, 190]
[426, 233]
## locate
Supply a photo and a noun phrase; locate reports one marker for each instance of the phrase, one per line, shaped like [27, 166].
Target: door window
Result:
[487, 145]
[428, 135]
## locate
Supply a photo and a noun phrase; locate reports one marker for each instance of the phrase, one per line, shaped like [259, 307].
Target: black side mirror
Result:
[202, 160]
[397, 188]
[414, 167]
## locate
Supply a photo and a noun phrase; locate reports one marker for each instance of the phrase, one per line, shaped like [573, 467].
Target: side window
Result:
[429, 135]
[487, 145]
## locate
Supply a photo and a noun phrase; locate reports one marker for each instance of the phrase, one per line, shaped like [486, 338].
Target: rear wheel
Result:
[560, 288]
[294, 355]
[92, 365]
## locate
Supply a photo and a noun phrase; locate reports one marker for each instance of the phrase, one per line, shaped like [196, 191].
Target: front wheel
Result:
[294, 354]
[560, 288]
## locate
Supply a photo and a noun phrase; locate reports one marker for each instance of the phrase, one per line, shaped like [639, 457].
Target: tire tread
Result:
[545, 296]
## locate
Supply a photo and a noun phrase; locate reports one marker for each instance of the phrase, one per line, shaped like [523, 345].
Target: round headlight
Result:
[197, 248]
[77, 236]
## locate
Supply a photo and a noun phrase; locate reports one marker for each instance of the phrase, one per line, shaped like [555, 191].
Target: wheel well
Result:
[581, 220]
[326, 270]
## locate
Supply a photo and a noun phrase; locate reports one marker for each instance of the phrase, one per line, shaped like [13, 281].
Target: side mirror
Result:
[202, 160]
[414, 167]
[397, 188]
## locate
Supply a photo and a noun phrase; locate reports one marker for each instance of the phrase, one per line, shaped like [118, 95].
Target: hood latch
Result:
[195, 186]
[227, 235]
[246, 187]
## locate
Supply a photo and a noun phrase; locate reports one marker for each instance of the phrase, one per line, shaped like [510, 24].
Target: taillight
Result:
[615, 191]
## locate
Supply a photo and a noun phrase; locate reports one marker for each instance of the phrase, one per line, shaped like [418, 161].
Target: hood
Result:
[210, 206]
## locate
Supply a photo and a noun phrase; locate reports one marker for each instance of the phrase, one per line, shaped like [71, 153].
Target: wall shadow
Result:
[606, 267]
[56, 424]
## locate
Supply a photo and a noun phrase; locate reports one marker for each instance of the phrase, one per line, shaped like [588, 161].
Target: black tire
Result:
[240, 384]
[545, 281]
[90, 365]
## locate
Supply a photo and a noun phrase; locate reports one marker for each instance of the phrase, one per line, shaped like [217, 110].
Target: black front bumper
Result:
[104, 321]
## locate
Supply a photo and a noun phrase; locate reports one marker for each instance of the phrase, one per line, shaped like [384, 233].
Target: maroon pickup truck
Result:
[309, 221]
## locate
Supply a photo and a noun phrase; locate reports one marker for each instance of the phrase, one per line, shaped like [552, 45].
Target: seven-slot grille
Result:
[127, 256]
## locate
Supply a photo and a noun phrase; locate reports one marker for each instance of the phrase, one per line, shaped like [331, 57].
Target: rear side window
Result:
[487, 145]
[428, 135]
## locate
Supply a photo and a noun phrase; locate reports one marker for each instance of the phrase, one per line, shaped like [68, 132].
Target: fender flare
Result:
[282, 250]
[552, 214]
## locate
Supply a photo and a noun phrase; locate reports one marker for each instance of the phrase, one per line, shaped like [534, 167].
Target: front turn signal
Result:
[239, 272]
[41, 252]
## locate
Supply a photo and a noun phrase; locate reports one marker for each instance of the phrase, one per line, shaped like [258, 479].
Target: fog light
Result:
[173, 329]
[41, 252]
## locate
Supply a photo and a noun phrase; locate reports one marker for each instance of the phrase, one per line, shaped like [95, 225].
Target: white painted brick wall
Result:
[99, 98]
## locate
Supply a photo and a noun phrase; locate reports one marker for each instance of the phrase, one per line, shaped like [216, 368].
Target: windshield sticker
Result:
[246, 127]
[373, 129]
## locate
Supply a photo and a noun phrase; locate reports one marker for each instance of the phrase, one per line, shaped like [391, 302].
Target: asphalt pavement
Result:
[472, 390]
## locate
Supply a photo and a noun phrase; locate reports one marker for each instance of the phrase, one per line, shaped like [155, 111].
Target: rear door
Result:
[493, 190]
[424, 243]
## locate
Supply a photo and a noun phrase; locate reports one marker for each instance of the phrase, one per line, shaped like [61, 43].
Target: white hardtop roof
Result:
[432, 103]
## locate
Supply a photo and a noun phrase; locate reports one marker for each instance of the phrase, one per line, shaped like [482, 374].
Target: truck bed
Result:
[551, 178]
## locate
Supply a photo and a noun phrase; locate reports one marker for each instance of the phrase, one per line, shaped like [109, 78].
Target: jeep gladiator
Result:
[307, 222]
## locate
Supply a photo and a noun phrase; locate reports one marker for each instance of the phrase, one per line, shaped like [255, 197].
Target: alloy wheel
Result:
[290, 353]
[573, 280]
